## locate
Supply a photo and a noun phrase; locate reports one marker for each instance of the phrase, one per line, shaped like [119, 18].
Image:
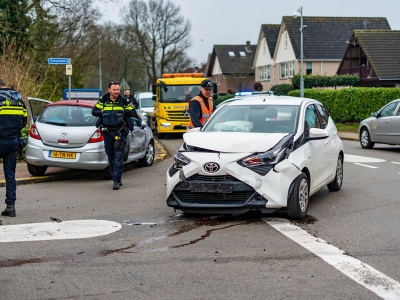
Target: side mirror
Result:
[215, 91]
[317, 134]
[154, 89]
[374, 114]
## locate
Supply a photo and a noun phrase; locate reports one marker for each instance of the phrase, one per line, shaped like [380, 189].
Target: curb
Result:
[74, 175]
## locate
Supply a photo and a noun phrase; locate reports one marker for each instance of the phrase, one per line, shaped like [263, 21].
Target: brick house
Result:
[324, 42]
[230, 66]
[373, 56]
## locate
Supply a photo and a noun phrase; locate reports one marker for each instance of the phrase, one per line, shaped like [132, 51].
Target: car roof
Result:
[267, 100]
[144, 94]
[84, 103]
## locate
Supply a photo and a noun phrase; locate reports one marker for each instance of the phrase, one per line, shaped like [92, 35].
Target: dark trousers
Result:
[115, 156]
[8, 152]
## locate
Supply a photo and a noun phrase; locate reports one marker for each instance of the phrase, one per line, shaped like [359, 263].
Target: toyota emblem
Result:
[211, 167]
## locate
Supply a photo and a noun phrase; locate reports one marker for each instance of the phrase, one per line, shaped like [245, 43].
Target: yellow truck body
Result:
[171, 94]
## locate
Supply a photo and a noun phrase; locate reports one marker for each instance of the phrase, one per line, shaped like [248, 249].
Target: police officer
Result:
[13, 117]
[202, 105]
[114, 114]
[131, 98]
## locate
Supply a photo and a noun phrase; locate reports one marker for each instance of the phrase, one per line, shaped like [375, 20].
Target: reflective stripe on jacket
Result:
[13, 113]
[205, 112]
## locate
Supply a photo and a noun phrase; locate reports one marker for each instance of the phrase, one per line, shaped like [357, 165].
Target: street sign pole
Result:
[69, 79]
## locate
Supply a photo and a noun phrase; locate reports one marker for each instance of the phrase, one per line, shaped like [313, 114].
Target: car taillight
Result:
[34, 133]
[96, 137]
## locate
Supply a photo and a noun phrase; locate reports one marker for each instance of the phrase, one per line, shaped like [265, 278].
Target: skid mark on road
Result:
[370, 278]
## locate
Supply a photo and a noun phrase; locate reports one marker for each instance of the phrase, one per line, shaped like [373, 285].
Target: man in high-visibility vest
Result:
[13, 117]
[202, 105]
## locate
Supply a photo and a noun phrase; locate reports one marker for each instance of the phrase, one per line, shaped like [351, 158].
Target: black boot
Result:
[9, 211]
[115, 185]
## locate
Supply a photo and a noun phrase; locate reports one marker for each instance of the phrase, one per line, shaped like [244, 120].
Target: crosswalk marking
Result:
[370, 278]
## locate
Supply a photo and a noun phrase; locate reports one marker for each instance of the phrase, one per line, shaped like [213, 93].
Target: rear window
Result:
[64, 115]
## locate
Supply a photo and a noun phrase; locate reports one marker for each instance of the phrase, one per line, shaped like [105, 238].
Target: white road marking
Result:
[372, 167]
[393, 162]
[77, 229]
[361, 159]
[370, 278]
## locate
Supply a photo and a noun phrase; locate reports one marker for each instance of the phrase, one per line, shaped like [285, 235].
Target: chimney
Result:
[248, 47]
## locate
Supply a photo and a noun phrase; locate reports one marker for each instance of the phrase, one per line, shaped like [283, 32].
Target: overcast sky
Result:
[218, 22]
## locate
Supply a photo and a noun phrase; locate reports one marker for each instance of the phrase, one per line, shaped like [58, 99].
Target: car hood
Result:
[233, 141]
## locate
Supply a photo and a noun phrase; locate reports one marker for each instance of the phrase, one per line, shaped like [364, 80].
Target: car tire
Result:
[336, 184]
[298, 200]
[365, 139]
[147, 160]
[36, 170]
[107, 173]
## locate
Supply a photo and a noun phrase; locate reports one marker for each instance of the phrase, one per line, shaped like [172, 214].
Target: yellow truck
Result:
[171, 94]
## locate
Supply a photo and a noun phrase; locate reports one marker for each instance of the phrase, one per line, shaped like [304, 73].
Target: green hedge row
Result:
[311, 81]
[351, 104]
[282, 89]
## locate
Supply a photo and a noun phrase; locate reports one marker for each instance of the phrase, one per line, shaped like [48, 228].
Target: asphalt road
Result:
[162, 254]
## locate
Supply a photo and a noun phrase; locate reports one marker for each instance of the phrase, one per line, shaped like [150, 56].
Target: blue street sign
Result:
[58, 61]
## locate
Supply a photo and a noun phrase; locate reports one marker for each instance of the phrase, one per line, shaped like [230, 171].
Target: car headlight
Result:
[181, 160]
[271, 157]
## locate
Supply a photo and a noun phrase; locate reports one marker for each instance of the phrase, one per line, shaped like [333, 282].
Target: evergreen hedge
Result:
[282, 89]
[351, 104]
[311, 81]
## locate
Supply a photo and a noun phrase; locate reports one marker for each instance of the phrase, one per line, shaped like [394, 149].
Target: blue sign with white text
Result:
[58, 61]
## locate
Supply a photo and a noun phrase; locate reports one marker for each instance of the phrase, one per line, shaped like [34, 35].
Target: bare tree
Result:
[160, 31]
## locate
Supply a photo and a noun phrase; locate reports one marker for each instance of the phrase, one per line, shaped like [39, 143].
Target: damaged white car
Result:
[260, 153]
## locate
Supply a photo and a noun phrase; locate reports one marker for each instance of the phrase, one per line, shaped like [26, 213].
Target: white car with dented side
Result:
[259, 152]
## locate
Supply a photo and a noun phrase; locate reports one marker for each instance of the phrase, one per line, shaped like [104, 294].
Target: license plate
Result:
[211, 188]
[59, 154]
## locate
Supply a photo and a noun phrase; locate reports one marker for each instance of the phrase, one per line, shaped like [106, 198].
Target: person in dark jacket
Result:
[132, 99]
[114, 114]
[201, 106]
[13, 117]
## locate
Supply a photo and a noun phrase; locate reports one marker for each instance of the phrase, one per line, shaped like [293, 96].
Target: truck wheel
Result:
[159, 135]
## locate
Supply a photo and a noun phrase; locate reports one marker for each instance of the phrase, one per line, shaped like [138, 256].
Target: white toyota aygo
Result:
[257, 152]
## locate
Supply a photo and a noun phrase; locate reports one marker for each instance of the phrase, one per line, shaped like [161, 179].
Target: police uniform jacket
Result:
[13, 114]
[116, 114]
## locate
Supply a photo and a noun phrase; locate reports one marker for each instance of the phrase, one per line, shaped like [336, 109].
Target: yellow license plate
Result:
[58, 154]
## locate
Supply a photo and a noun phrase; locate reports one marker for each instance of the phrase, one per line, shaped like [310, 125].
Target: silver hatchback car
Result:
[64, 134]
[382, 127]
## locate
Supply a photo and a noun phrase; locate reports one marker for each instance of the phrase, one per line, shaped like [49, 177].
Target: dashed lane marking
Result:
[77, 229]
[372, 167]
[361, 159]
[370, 278]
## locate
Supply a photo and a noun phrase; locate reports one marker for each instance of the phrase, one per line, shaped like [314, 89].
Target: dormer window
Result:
[231, 54]
[242, 54]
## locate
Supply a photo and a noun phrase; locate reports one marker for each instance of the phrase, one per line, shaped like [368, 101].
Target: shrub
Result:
[311, 81]
[282, 89]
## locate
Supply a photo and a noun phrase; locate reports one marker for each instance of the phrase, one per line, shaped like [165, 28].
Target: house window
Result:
[260, 74]
[267, 74]
[286, 40]
[217, 79]
[291, 69]
[231, 54]
[242, 54]
[265, 45]
[283, 70]
[308, 68]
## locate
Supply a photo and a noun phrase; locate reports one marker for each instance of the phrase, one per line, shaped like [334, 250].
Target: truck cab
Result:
[171, 94]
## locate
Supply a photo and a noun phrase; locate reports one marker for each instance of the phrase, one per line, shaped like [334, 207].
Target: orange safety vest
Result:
[205, 113]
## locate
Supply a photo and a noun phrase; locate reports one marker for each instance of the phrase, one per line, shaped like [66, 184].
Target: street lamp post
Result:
[302, 27]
